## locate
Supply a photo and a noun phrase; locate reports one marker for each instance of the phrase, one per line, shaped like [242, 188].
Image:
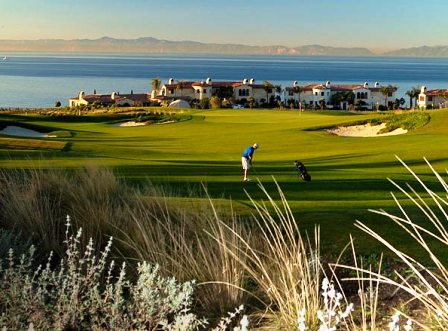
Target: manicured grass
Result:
[349, 175]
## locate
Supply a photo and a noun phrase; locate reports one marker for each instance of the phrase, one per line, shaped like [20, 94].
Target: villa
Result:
[432, 98]
[114, 98]
[324, 95]
[312, 96]
[238, 91]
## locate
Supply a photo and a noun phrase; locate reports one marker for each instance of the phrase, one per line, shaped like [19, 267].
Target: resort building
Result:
[339, 96]
[311, 96]
[105, 100]
[432, 98]
[238, 91]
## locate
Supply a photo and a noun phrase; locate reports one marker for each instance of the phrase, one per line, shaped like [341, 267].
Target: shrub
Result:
[215, 102]
[73, 295]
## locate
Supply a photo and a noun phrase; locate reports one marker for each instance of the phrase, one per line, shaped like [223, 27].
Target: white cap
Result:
[255, 145]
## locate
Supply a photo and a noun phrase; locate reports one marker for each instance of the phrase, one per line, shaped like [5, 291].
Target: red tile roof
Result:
[436, 92]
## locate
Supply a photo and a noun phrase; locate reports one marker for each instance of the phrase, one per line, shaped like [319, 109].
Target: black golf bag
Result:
[302, 172]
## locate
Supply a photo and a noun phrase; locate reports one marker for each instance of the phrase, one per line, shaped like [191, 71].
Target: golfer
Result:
[246, 160]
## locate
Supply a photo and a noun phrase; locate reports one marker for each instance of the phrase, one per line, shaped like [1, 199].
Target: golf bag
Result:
[302, 172]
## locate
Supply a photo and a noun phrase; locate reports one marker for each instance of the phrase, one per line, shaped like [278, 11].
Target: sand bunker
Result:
[366, 130]
[12, 130]
[130, 123]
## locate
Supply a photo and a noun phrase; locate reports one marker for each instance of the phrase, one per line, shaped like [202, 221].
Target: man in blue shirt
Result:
[246, 160]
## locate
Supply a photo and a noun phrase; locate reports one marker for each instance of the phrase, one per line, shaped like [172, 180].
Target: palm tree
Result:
[156, 83]
[297, 89]
[268, 86]
[413, 93]
[385, 91]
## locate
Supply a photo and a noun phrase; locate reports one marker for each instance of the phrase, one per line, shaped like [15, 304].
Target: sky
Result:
[375, 24]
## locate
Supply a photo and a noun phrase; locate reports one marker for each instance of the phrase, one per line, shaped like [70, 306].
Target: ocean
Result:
[39, 80]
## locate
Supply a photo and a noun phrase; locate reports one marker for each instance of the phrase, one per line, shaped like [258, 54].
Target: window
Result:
[315, 93]
[389, 94]
[322, 94]
[291, 93]
[171, 91]
[429, 98]
[197, 91]
[422, 98]
[358, 95]
[270, 90]
[205, 90]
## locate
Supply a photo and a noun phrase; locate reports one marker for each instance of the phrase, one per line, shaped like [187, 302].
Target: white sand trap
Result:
[365, 130]
[130, 123]
[12, 130]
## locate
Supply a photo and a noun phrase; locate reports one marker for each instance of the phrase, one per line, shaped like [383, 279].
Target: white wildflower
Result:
[393, 325]
[408, 326]
[301, 320]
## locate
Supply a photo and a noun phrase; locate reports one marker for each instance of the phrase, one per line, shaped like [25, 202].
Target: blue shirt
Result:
[249, 152]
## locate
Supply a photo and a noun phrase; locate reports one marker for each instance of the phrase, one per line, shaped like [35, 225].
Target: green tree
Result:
[298, 90]
[156, 84]
[387, 91]
[413, 94]
[268, 87]
[399, 102]
[345, 96]
[204, 103]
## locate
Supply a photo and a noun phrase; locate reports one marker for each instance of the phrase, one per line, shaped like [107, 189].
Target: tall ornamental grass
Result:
[428, 286]
[34, 202]
[176, 238]
[149, 224]
[283, 265]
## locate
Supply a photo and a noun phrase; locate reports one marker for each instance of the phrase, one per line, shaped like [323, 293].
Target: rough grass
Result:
[273, 262]
[348, 174]
[408, 121]
[31, 144]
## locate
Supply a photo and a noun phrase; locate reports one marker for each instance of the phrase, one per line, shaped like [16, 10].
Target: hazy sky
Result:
[378, 24]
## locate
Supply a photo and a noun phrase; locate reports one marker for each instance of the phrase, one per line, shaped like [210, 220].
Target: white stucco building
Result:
[239, 91]
[437, 98]
[323, 95]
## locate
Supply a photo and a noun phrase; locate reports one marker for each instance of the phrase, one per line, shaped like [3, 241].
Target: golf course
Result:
[194, 152]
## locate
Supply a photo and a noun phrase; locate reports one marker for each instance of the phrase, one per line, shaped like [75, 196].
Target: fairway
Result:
[349, 175]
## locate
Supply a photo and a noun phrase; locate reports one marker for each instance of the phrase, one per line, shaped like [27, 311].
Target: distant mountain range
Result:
[158, 46]
[436, 51]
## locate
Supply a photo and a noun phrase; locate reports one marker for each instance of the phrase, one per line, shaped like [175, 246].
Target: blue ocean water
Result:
[38, 80]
